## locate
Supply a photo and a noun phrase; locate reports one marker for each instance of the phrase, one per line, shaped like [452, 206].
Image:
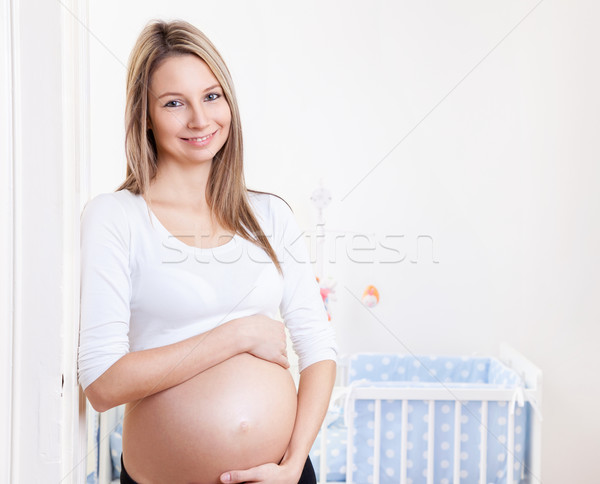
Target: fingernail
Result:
[226, 478]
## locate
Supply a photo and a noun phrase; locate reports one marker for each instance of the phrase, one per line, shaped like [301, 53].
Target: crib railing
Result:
[531, 395]
[405, 395]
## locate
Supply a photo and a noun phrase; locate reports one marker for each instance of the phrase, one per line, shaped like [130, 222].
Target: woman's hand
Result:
[266, 473]
[263, 337]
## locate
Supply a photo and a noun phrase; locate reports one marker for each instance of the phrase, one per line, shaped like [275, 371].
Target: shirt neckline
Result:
[174, 241]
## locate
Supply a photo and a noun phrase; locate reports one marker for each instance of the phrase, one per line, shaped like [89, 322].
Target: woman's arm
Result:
[142, 373]
[314, 392]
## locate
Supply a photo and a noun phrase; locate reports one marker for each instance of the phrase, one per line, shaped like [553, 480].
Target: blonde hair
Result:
[226, 192]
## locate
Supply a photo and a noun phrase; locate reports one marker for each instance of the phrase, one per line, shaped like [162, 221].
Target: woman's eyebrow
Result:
[180, 94]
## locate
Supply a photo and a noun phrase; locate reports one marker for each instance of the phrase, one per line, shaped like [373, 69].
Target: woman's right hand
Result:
[263, 337]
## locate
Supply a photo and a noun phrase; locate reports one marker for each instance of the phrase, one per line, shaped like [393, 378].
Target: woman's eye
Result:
[216, 96]
[169, 104]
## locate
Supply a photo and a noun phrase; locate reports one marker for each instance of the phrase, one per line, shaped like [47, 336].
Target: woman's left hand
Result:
[266, 473]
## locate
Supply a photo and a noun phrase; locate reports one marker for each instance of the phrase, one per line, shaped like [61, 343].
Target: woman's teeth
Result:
[201, 139]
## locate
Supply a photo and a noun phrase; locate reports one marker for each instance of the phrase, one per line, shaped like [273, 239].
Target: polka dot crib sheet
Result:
[452, 429]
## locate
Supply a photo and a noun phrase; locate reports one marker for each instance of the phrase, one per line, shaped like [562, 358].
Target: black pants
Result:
[308, 474]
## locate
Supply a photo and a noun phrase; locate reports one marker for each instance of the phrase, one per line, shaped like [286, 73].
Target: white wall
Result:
[473, 123]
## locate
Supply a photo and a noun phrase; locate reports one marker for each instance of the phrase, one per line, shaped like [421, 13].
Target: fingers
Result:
[283, 361]
[261, 473]
[267, 339]
[238, 476]
[281, 342]
[280, 357]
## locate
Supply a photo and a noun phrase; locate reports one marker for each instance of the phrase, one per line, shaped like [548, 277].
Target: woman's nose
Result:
[198, 118]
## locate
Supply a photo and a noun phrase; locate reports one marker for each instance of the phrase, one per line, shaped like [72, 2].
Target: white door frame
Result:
[44, 166]
[6, 240]
[76, 157]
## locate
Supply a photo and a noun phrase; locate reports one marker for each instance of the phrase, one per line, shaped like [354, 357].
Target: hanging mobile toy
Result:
[327, 293]
[370, 297]
[321, 197]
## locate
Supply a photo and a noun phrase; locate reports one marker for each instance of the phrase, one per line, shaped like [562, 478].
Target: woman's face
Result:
[189, 115]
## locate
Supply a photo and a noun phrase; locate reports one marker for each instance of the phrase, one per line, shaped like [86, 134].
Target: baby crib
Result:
[426, 419]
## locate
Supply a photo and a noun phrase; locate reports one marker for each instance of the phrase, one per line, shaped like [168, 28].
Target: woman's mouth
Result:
[200, 141]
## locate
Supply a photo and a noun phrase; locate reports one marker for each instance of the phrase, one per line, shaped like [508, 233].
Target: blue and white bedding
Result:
[390, 370]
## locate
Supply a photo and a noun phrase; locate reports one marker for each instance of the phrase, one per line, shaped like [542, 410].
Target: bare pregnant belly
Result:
[236, 415]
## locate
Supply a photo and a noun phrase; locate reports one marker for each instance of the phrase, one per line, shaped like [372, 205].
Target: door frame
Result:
[44, 180]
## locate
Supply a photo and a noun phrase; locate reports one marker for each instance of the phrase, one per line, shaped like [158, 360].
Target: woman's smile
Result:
[200, 141]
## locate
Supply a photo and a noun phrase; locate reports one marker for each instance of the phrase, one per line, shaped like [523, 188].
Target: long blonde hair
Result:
[226, 192]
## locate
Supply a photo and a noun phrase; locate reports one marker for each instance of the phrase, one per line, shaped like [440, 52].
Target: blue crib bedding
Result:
[390, 370]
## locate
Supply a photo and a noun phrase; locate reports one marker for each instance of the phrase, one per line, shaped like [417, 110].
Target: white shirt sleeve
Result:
[301, 307]
[105, 287]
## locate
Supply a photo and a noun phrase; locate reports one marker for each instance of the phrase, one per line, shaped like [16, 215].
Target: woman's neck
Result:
[178, 186]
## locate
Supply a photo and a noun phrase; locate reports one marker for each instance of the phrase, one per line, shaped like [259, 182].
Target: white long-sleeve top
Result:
[141, 287]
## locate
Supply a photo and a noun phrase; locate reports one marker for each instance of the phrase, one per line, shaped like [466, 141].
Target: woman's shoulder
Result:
[110, 207]
[108, 200]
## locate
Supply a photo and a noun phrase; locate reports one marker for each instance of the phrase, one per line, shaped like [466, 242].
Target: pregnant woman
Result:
[183, 271]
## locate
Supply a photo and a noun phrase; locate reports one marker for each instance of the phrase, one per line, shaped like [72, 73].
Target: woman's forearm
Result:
[314, 393]
[142, 373]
